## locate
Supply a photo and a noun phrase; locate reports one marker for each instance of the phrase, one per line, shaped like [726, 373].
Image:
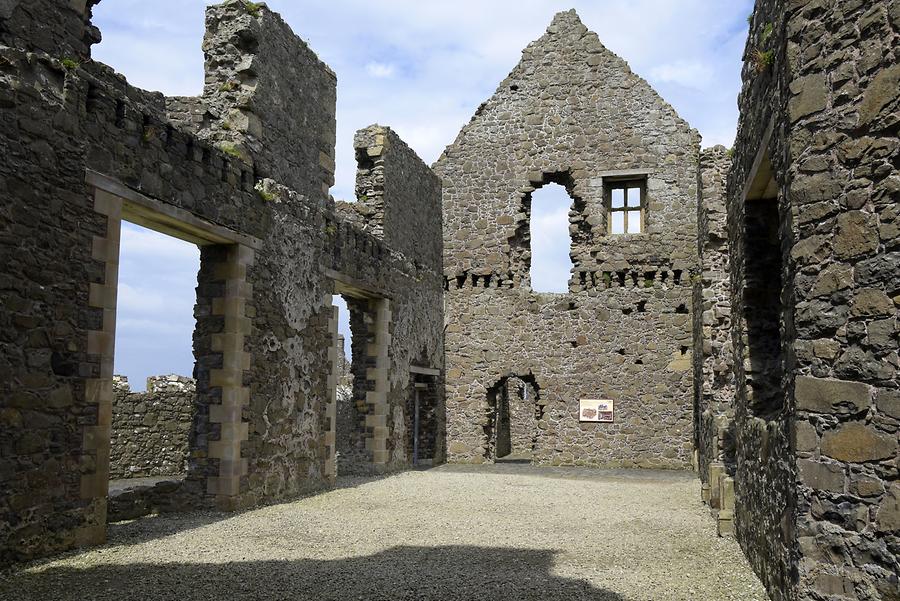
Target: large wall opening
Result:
[551, 264]
[421, 416]
[207, 411]
[154, 389]
[514, 410]
[362, 427]
[762, 295]
[155, 308]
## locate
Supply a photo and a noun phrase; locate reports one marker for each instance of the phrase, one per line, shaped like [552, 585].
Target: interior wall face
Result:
[816, 498]
[572, 112]
[712, 318]
[843, 107]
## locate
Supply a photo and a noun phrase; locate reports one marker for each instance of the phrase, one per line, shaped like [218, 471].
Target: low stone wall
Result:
[150, 429]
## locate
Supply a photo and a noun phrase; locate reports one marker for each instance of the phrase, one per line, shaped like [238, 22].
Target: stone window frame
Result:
[116, 202]
[625, 183]
[378, 360]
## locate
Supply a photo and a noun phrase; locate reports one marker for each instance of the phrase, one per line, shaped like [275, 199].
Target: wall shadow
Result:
[170, 522]
[420, 573]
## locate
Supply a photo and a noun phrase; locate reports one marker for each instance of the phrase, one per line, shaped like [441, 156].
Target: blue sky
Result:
[421, 68]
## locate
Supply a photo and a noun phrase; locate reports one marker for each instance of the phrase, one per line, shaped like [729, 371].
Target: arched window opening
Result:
[551, 263]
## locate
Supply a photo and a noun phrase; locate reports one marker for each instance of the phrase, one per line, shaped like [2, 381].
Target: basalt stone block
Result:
[856, 442]
[857, 235]
[887, 519]
[821, 476]
[888, 402]
[821, 395]
[871, 302]
[810, 96]
[880, 92]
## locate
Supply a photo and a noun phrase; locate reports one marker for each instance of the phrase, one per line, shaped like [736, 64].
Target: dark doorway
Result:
[422, 417]
[762, 296]
[514, 413]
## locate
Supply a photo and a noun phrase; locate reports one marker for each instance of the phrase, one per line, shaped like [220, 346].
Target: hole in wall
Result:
[120, 113]
[154, 392]
[551, 264]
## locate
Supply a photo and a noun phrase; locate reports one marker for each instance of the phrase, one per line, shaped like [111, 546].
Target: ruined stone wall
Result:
[83, 148]
[150, 430]
[390, 215]
[843, 107]
[254, 62]
[61, 29]
[764, 478]
[572, 113]
[409, 278]
[712, 352]
[816, 491]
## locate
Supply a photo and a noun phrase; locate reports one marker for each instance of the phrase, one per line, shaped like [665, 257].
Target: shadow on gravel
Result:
[167, 523]
[432, 573]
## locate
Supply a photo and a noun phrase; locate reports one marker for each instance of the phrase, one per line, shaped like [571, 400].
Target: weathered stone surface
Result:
[857, 442]
[807, 438]
[574, 114]
[857, 235]
[822, 476]
[880, 92]
[824, 395]
[810, 96]
[888, 402]
[871, 302]
[888, 516]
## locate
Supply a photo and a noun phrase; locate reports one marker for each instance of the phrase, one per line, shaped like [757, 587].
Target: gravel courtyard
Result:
[505, 532]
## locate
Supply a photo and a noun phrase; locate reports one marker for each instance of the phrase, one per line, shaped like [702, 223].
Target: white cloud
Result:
[381, 70]
[688, 73]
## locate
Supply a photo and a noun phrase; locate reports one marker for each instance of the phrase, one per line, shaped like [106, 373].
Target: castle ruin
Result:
[737, 308]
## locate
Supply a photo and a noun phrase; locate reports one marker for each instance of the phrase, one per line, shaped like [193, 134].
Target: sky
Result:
[422, 68]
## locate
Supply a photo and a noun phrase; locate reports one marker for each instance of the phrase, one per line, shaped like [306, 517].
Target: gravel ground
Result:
[505, 532]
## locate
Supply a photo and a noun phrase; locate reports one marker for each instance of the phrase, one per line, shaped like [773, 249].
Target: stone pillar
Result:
[335, 355]
[233, 396]
[377, 352]
[99, 390]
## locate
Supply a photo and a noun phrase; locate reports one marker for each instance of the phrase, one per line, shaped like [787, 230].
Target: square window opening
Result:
[626, 204]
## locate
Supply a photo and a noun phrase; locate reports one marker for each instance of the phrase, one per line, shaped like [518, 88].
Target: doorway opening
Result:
[211, 413]
[762, 295]
[361, 429]
[421, 416]
[514, 411]
[154, 389]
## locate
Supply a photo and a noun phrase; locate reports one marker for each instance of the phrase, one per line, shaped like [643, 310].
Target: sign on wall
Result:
[594, 410]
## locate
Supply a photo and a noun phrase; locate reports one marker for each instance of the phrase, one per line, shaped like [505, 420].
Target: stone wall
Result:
[712, 354]
[84, 150]
[254, 62]
[60, 29]
[572, 113]
[816, 480]
[402, 210]
[150, 430]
